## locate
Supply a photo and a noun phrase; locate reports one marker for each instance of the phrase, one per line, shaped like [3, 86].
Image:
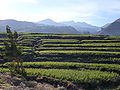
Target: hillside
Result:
[112, 29]
[69, 60]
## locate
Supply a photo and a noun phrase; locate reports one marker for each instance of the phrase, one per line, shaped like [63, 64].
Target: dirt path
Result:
[15, 83]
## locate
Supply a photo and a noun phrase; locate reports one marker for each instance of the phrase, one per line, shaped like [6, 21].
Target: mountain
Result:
[49, 22]
[15, 25]
[23, 26]
[53, 29]
[49, 26]
[112, 29]
[106, 25]
[82, 27]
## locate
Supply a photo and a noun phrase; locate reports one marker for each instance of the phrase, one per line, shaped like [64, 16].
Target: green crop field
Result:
[69, 65]
[78, 77]
[91, 62]
[86, 44]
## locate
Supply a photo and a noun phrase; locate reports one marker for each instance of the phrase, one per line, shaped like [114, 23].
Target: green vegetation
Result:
[89, 61]
[83, 77]
[81, 48]
[4, 70]
[108, 67]
[62, 35]
[77, 52]
[45, 41]
[79, 77]
[85, 44]
[13, 53]
[105, 67]
[99, 41]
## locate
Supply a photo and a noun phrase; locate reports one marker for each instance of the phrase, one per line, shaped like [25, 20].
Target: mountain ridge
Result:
[24, 26]
[113, 29]
[42, 26]
[82, 27]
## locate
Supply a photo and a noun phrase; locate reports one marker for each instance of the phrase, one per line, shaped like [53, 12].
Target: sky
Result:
[95, 12]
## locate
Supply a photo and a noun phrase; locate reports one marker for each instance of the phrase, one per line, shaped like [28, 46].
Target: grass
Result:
[84, 45]
[78, 52]
[76, 76]
[95, 66]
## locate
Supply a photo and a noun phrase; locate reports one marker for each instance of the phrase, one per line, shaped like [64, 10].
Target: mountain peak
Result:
[50, 22]
[47, 20]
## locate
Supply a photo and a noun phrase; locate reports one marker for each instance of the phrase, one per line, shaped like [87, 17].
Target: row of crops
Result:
[117, 49]
[86, 78]
[89, 61]
[81, 56]
[48, 47]
[84, 45]
[72, 49]
[71, 65]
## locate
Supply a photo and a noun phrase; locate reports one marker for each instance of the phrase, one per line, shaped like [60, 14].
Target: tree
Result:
[13, 53]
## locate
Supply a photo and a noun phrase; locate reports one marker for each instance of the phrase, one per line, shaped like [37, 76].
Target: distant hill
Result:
[82, 27]
[16, 25]
[49, 22]
[23, 26]
[112, 29]
[52, 29]
[49, 26]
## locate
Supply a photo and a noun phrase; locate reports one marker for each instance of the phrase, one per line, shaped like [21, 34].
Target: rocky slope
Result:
[112, 29]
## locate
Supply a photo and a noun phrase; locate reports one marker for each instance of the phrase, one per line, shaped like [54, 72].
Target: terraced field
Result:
[90, 62]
